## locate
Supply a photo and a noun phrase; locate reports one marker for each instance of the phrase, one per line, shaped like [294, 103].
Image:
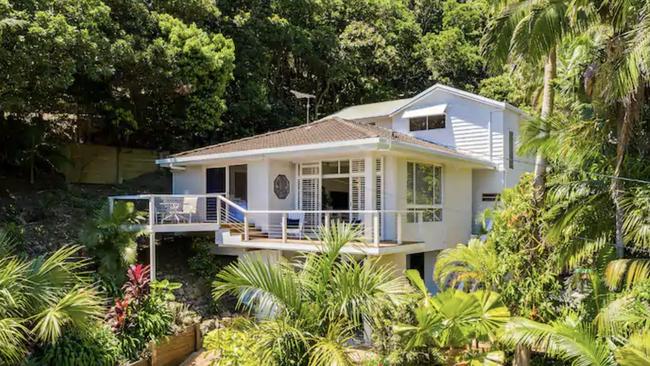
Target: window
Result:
[336, 167]
[511, 150]
[427, 122]
[424, 192]
[490, 197]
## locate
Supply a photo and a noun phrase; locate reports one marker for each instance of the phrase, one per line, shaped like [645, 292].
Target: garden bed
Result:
[174, 349]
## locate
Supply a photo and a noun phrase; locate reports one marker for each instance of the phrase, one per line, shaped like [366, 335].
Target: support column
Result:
[370, 194]
[152, 255]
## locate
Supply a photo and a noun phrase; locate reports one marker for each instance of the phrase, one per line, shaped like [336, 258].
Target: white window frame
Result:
[421, 207]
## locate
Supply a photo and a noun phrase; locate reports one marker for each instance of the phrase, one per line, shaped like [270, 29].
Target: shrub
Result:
[142, 315]
[233, 346]
[205, 264]
[183, 316]
[98, 347]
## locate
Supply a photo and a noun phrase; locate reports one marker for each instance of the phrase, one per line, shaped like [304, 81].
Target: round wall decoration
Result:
[281, 186]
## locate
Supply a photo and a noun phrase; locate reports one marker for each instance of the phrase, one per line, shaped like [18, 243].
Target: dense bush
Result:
[232, 344]
[97, 347]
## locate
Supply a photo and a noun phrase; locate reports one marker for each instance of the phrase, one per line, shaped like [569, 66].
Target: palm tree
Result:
[39, 298]
[580, 343]
[473, 265]
[314, 304]
[530, 30]
[620, 79]
[454, 319]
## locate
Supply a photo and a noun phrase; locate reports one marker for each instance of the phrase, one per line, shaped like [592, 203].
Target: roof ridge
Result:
[226, 143]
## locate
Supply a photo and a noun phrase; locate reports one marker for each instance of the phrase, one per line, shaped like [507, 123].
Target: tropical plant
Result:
[232, 344]
[454, 319]
[144, 314]
[41, 297]
[530, 31]
[98, 346]
[110, 242]
[313, 306]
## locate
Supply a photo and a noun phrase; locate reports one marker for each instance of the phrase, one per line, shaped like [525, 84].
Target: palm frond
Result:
[476, 263]
[626, 272]
[79, 308]
[360, 289]
[567, 340]
[621, 315]
[636, 352]
[12, 341]
[331, 349]
[259, 285]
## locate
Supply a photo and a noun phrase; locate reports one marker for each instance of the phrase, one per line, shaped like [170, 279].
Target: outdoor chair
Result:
[295, 224]
[190, 205]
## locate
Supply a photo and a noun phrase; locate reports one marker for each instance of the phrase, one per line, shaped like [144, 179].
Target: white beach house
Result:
[412, 174]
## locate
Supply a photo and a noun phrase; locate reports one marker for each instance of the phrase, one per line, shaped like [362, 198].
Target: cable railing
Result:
[191, 212]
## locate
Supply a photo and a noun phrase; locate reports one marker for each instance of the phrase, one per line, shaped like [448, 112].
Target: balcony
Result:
[297, 230]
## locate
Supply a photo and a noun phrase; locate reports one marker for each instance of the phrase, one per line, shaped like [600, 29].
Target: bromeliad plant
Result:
[311, 307]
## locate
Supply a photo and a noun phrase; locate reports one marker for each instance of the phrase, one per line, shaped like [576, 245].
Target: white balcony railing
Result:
[206, 212]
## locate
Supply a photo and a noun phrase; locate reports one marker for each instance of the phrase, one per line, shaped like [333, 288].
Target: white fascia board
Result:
[460, 93]
[456, 156]
[369, 142]
[426, 111]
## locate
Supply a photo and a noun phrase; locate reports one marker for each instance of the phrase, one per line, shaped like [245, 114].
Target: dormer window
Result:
[427, 122]
[427, 118]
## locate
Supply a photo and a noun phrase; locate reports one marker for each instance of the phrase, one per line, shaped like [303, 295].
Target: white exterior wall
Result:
[522, 164]
[455, 226]
[467, 127]
[189, 181]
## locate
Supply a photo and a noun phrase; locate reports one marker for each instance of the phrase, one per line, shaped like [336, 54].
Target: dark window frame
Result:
[433, 125]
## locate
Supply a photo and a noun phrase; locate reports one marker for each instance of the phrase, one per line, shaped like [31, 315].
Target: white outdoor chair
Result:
[295, 224]
[168, 209]
[190, 205]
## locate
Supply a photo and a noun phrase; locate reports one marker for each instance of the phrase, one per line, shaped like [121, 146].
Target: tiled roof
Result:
[329, 129]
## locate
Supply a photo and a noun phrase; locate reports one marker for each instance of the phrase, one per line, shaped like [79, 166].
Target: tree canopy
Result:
[171, 74]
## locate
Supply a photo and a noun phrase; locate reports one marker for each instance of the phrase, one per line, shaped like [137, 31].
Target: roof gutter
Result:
[174, 161]
[451, 155]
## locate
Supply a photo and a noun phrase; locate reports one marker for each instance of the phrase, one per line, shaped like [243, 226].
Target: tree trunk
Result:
[522, 356]
[548, 100]
[624, 125]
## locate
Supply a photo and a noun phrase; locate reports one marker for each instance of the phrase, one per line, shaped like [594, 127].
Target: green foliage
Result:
[204, 263]
[132, 68]
[41, 297]
[113, 247]
[144, 314]
[232, 345]
[453, 318]
[97, 346]
[313, 305]
[504, 88]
